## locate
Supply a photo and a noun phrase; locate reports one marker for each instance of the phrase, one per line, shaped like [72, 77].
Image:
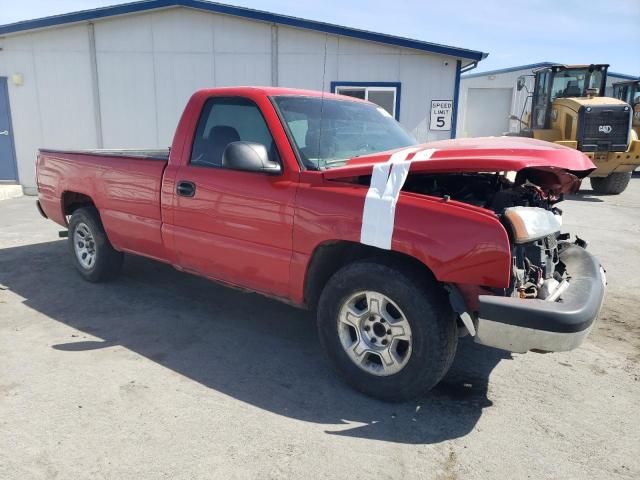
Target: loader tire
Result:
[614, 184]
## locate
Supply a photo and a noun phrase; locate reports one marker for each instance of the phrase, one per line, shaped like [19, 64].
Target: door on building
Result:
[488, 111]
[8, 170]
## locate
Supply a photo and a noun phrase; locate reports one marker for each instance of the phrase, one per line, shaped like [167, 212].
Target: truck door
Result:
[233, 226]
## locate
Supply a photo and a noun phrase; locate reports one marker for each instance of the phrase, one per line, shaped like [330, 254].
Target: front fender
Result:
[458, 242]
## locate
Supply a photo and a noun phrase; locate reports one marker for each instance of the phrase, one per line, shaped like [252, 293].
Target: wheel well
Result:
[330, 257]
[71, 201]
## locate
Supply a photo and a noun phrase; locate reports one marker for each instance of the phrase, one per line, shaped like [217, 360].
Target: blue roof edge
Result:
[142, 6]
[537, 65]
[509, 69]
[623, 75]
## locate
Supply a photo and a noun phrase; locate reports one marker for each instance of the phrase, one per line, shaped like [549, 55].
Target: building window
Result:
[385, 94]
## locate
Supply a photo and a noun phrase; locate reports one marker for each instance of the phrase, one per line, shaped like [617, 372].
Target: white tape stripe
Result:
[387, 179]
[378, 215]
[424, 154]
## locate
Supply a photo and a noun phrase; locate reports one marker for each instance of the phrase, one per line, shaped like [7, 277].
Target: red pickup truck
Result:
[325, 202]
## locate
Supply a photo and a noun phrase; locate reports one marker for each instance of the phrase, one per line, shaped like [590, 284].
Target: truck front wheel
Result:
[388, 332]
[93, 255]
[614, 184]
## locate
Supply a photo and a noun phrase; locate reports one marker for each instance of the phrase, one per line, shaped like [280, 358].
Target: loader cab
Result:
[627, 91]
[562, 81]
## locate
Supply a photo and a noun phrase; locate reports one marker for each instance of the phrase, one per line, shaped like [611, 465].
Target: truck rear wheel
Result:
[93, 255]
[614, 184]
[388, 332]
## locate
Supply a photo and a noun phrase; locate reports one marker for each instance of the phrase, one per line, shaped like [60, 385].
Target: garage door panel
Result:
[488, 111]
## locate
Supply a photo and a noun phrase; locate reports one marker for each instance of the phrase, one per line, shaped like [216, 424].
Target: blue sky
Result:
[514, 32]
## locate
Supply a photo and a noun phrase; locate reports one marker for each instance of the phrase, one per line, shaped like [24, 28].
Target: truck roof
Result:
[276, 91]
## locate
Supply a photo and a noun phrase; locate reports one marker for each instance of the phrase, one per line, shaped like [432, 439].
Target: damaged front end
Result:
[556, 288]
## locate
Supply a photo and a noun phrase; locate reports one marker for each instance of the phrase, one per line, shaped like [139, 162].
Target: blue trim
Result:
[530, 66]
[625, 82]
[622, 75]
[456, 97]
[88, 15]
[395, 85]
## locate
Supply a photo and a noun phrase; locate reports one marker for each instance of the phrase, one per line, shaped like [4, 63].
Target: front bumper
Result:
[616, 162]
[520, 325]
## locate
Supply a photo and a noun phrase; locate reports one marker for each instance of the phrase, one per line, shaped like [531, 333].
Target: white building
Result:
[488, 99]
[118, 77]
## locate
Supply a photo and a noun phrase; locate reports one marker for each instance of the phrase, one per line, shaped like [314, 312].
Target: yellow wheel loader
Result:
[629, 91]
[568, 107]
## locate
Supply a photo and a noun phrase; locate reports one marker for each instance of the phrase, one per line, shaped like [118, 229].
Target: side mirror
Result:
[249, 157]
[520, 83]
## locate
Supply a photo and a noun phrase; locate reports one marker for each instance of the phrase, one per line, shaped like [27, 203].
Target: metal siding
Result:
[359, 60]
[242, 51]
[127, 99]
[424, 78]
[63, 75]
[301, 59]
[177, 76]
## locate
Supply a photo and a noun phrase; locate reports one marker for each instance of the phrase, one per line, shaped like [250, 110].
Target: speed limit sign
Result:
[441, 114]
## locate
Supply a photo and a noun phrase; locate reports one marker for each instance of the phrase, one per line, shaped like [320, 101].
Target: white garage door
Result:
[488, 111]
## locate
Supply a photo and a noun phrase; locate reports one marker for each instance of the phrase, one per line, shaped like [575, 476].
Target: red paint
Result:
[490, 154]
[260, 232]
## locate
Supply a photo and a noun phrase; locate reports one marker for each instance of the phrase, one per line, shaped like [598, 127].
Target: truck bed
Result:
[124, 185]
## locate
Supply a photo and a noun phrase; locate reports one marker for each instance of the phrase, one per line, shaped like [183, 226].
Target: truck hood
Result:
[556, 168]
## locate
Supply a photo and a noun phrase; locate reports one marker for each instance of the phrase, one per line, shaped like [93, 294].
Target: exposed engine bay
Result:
[487, 190]
[537, 271]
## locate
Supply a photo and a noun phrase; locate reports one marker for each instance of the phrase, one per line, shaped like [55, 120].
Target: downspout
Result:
[456, 96]
[95, 86]
[456, 93]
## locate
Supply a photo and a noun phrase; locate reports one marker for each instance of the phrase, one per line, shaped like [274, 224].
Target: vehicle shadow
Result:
[256, 350]
[584, 196]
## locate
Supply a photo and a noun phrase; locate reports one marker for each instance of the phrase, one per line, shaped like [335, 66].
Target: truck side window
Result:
[225, 120]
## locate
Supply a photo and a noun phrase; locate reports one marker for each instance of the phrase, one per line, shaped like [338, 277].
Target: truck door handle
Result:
[4, 132]
[186, 189]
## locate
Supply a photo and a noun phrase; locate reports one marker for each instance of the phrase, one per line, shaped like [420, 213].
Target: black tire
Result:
[425, 305]
[108, 261]
[614, 184]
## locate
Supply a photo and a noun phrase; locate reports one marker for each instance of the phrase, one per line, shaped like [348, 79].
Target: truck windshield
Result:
[328, 132]
[575, 82]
